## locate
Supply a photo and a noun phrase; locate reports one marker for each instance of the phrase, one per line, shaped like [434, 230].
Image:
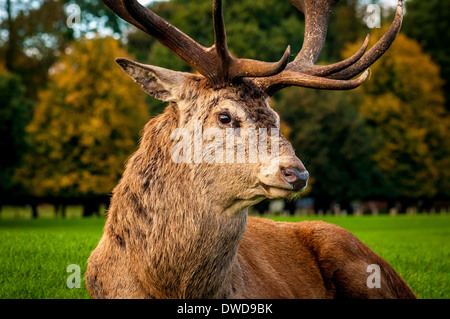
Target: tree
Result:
[38, 32]
[35, 36]
[86, 124]
[345, 26]
[404, 104]
[95, 17]
[428, 22]
[15, 114]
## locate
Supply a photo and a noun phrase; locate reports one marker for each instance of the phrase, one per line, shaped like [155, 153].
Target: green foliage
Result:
[35, 36]
[345, 26]
[86, 124]
[96, 16]
[428, 22]
[15, 114]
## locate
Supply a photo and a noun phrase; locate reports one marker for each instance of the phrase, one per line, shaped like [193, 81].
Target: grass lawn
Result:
[35, 254]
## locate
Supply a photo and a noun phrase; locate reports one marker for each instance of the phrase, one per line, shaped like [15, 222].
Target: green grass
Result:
[35, 254]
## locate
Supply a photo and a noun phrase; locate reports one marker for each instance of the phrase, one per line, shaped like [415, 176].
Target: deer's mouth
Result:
[272, 191]
[267, 187]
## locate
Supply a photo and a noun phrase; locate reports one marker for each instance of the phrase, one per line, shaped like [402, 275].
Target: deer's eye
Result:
[224, 118]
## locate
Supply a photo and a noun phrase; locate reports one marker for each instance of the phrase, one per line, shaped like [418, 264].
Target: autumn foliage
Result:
[404, 104]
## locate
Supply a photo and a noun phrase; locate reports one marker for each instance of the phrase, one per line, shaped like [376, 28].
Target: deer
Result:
[181, 229]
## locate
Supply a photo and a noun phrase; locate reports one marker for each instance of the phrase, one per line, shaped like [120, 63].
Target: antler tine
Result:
[292, 78]
[324, 70]
[303, 71]
[215, 63]
[317, 14]
[175, 40]
[234, 68]
[220, 36]
[230, 68]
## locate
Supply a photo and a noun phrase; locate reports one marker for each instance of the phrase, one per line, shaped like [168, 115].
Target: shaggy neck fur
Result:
[171, 225]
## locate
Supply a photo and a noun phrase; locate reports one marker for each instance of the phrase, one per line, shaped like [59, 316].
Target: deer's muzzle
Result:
[296, 177]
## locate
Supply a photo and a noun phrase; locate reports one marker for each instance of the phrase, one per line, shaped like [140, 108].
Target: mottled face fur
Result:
[219, 129]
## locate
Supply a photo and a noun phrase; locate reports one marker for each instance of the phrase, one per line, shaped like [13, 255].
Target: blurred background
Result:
[69, 117]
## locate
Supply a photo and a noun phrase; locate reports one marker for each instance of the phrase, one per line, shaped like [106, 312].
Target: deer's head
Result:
[231, 96]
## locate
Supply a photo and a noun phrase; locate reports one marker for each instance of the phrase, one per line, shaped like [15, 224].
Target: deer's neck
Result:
[177, 236]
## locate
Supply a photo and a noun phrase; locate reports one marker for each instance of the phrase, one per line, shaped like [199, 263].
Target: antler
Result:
[215, 62]
[303, 71]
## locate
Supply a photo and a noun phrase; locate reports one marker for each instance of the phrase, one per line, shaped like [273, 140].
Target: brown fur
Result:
[181, 230]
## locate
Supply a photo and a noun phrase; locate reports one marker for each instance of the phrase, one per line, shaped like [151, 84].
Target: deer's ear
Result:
[161, 83]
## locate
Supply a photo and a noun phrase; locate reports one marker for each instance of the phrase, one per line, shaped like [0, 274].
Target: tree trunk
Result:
[34, 210]
[11, 45]
[322, 205]
[90, 208]
[57, 207]
[347, 206]
[290, 205]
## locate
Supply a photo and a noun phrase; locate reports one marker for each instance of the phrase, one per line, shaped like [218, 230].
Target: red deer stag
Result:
[179, 229]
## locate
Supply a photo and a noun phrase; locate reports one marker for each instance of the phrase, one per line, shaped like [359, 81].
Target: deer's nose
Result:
[298, 179]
